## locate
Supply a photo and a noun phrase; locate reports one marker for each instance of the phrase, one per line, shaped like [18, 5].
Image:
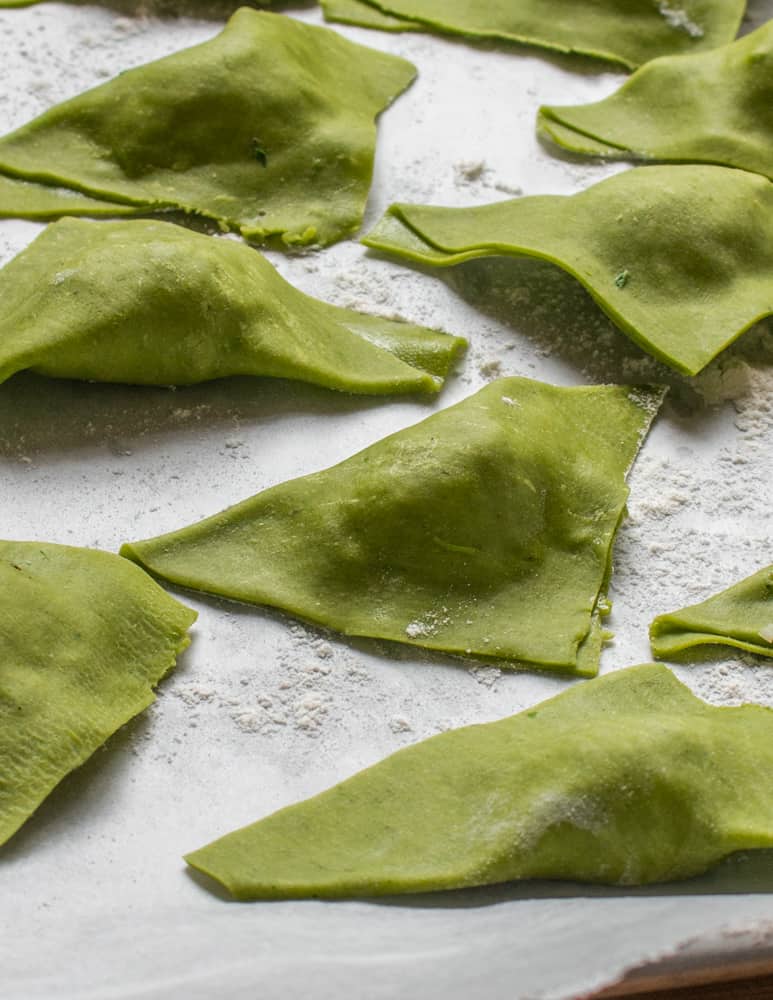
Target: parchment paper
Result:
[95, 899]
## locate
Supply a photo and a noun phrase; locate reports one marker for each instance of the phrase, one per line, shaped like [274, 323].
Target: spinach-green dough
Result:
[624, 31]
[364, 14]
[84, 639]
[713, 107]
[484, 530]
[679, 257]
[28, 200]
[741, 616]
[152, 303]
[268, 129]
[625, 780]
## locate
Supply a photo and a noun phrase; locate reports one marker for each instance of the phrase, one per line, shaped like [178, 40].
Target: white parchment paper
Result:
[95, 901]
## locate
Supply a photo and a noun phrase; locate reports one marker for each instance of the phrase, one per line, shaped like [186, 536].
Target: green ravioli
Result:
[368, 15]
[680, 258]
[484, 530]
[28, 200]
[712, 107]
[156, 304]
[624, 31]
[84, 639]
[625, 780]
[268, 129]
[741, 616]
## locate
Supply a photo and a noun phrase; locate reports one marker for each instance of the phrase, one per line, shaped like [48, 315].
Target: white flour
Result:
[678, 18]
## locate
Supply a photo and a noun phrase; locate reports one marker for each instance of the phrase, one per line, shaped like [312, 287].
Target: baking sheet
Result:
[262, 711]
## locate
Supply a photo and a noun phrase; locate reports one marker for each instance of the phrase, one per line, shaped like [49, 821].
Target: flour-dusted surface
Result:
[263, 711]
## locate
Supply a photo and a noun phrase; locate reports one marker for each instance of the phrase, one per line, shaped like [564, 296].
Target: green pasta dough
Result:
[84, 638]
[484, 530]
[367, 15]
[625, 780]
[28, 200]
[679, 257]
[623, 31]
[156, 304]
[741, 616]
[712, 107]
[269, 129]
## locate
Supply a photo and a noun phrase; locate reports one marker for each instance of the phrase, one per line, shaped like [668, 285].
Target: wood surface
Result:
[754, 981]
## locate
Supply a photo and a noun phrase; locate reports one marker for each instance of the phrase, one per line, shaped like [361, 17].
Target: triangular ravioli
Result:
[84, 639]
[679, 257]
[624, 31]
[712, 107]
[153, 303]
[741, 616]
[269, 129]
[484, 530]
[624, 780]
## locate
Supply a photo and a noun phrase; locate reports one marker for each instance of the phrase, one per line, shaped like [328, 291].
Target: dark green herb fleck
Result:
[622, 279]
[259, 152]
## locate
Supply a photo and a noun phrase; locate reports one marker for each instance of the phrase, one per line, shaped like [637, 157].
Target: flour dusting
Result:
[678, 18]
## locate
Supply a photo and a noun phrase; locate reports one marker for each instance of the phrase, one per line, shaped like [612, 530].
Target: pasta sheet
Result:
[713, 107]
[679, 257]
[485, 530]
[268, 129]
[84, 639]
[624, 31]
[626, 779]
[741, 616]
[155, 304]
